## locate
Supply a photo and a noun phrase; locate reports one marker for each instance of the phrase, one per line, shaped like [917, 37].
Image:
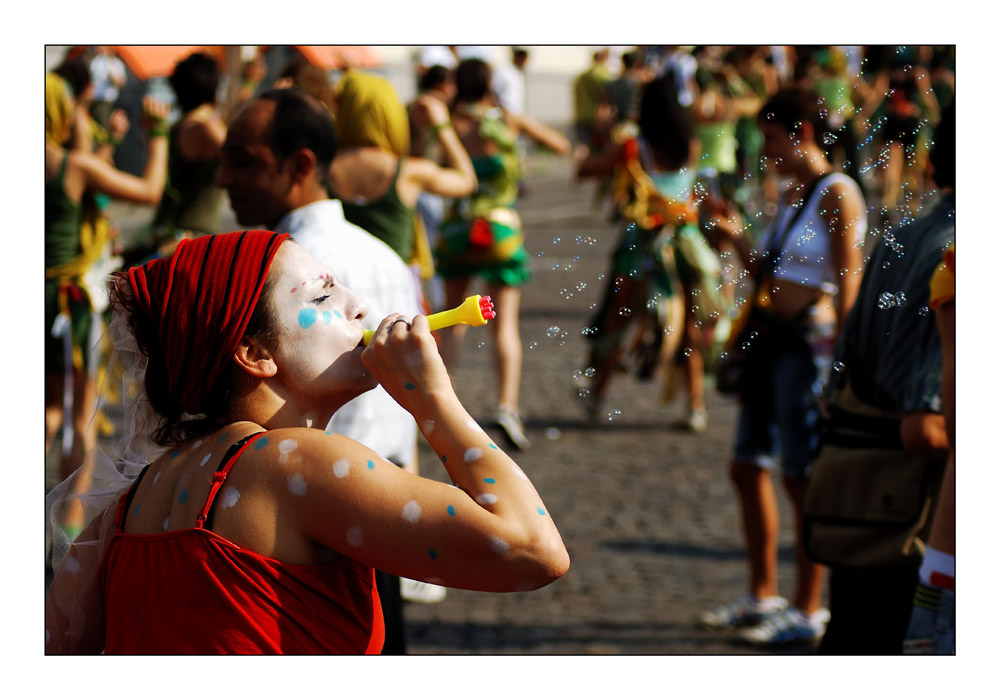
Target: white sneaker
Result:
[747, 610]
[788, 627]
[697, 420]
[421, 592]
[510, 422]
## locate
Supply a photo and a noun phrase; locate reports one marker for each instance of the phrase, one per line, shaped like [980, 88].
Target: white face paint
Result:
[355, 538]
[486, 499]
[472, 454]
[318, 353]
[341, 468]
[228, 497]
[297, 485]
[411, 512]
[499, 545]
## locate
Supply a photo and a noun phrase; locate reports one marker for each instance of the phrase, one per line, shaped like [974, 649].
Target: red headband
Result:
[201, 299]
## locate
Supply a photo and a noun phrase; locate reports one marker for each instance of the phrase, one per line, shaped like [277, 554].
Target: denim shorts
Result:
[782, 414]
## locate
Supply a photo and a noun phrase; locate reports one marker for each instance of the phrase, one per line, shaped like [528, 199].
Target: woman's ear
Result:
[254, 359]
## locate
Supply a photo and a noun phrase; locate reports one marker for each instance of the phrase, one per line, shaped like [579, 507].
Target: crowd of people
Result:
[761, 194]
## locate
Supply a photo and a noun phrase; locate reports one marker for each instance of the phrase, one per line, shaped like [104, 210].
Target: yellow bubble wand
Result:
[474, 311]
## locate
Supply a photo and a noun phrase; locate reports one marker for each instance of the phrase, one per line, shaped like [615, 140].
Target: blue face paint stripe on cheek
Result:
[307, 317]
[327, 317]
[338, 314]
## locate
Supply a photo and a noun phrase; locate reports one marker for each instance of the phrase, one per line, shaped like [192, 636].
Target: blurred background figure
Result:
[482, 234]
[108, 73]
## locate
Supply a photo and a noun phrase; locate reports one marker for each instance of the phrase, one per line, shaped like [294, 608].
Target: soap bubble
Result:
[829, 139]
[886, 300]
[552, 332]
[613, 414]
[589, 372]
[924, 311]
[625, 311]
[900, 299]
[839, 366]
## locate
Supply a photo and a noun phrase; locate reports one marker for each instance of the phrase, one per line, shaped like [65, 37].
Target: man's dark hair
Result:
[195, 81]
[472, 80]
[942, 155]
[629, 60]
[300, 121]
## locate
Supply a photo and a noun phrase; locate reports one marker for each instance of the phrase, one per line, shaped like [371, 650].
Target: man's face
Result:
[257, 182]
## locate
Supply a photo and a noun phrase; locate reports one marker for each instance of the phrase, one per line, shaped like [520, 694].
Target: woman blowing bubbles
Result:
[252, 533]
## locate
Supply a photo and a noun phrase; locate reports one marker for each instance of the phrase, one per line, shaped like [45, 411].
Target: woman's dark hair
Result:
[664, 123]
[942, 154]
[792, 107]
[195, 81]
[76, 72]
[173, 427]
[472, 80]
[311, 79]
[433, 78]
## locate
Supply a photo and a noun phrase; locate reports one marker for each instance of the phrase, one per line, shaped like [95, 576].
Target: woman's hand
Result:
[435, 110]
[154, 116]
[404, 358]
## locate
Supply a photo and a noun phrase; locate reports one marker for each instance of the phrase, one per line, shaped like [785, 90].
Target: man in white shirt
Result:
[275, 160]
[508, 81]
[275, 165]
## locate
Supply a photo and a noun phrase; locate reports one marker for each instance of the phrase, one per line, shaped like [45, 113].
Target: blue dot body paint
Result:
[444, 459]
[222, 437]
[493, 447]
[490, 481]
[541, 511]
[451, 511]
[327, 317]
[307, 317]
[135, 511]
[184, 496]
[409, 386]
[371, 464]
[338, 314]
[173, 455]
[260, 443]
[433, 554]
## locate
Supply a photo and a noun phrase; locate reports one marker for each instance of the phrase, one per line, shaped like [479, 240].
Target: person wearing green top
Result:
[71, 249]
[482, 234]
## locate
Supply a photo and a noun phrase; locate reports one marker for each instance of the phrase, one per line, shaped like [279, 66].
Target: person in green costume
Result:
[482, 236]
[71, 249]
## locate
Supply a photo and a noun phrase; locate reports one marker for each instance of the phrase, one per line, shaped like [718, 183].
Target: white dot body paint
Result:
[286, 447]
[228, 497]
[204, 460]
[499, 545]
[520, 473]
[472, 454]
[428, 427]
[341, 468]
[157, 477]
[354, 536]
[71, 565]
[196, 445]
[411, 512]
[310, 418]
[486, 499]
[166, 523]
[475, 426]
[297, 485]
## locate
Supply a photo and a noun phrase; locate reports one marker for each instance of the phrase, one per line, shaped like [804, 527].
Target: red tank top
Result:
[194, 592]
